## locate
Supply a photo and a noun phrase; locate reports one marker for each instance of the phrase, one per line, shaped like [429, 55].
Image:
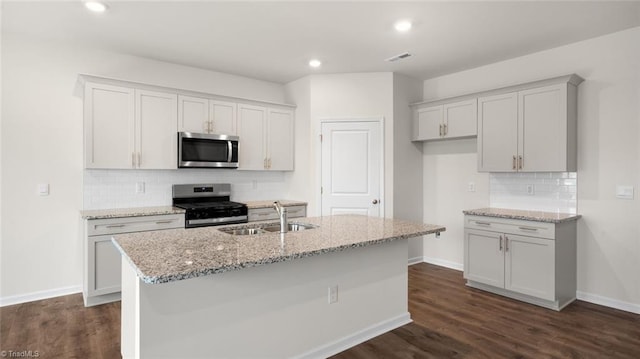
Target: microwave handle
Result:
[229, 151]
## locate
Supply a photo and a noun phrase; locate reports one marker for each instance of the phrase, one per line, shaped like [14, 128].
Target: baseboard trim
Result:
[608, 302]
[45, 294]
[415, 260]
[359, 337]
[444, 263]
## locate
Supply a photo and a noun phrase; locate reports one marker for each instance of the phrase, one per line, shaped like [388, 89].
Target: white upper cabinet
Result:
[203, 115]
[266, 138]
[252, 121]
[446, 121]
[497, 133]
[109, 126]
[127, 128]
[280, 140]
[156, 121]
[193, 114]
[532, 130]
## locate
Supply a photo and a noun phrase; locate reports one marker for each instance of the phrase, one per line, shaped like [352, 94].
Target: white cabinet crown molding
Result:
[86, 78]
[572, 79]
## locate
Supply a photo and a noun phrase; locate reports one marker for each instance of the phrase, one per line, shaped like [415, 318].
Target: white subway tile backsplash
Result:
[553, 191]
[117, 188]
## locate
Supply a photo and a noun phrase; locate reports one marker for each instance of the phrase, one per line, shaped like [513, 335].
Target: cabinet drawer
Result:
[134, 224]
[511, 226]
[265, 214]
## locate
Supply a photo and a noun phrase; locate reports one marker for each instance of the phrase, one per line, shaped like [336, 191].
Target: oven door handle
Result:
[229, 151]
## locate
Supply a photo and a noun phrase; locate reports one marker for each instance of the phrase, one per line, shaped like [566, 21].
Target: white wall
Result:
[42, 143]
[357, 95]
[608, 154]
[407, 159]
[299, 182]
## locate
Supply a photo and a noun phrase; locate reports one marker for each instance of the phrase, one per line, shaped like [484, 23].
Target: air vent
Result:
[398, 57]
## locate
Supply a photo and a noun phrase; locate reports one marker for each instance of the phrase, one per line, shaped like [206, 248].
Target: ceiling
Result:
[274, 41]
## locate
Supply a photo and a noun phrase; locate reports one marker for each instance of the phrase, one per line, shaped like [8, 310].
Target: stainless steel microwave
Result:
[202, 150]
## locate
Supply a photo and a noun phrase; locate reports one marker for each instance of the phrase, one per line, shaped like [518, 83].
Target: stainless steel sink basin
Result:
[293, 227]
[242, 231]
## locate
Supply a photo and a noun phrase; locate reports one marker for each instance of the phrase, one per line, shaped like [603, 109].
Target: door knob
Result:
[375, 201]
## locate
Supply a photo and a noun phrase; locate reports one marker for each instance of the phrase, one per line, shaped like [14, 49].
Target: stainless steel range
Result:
[208, 204]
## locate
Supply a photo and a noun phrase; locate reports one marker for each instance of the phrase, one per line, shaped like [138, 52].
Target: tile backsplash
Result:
[539, 191]
[117, 188]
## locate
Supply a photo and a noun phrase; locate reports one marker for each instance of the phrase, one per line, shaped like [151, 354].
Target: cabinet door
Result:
[223, 117]
[497, 132]
[193, 114]
[484, 257]
[280, 140]
[108, 126]
[156, 122]
[461, 119]
[429, 120]
[251, 130]
[104, 266]
[530, 266]
[542, 119]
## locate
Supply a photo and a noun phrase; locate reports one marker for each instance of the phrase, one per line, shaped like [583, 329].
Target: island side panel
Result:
[130, 310]
[278, 310]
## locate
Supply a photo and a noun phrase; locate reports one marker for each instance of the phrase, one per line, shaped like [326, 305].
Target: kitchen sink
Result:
[242, 231]
[293, 227]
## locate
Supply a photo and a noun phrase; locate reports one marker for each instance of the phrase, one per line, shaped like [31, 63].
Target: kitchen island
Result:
[202, 293]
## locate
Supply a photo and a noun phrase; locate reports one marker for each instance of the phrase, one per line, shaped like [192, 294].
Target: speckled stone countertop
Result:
[269, 204]
[537, 216]
[129, 212]
[177, 254]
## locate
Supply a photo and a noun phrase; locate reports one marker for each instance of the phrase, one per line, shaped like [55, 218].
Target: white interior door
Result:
[351, 168]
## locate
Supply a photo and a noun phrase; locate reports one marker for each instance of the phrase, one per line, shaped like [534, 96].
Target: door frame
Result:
[318, 159]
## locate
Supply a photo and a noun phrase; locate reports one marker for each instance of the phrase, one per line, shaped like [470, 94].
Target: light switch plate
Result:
[43, 189]
[139, 187]
[624, 192]
[471, 187]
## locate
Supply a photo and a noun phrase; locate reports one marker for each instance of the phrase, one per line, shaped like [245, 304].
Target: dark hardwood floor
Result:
[450, 320]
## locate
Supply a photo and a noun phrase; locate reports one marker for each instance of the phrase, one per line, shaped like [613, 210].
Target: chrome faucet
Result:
[282, 213]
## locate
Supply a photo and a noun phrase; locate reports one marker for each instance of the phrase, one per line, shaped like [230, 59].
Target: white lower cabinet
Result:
[269, 213]
[102, 261]
[531, 261]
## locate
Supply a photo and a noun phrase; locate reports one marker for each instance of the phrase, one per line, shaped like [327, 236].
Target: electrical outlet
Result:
[531, 189]
[139, 187]
[471, 187]
[333, 294]
[624, 192]
[43, 189]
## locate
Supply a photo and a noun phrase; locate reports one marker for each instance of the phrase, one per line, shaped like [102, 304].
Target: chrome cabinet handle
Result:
[445, 128]
[500, 243]
[528, 229]
[483, 223]
[440, 130]
[115, 225]
[133, 159]
[139, 159]
[514, 162]
[164, 222]
[506, 243]
[520, 162]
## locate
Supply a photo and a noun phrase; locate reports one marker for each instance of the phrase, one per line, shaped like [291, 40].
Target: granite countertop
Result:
[537, 216]
[269, 204]
[130, 212]
[177, 254]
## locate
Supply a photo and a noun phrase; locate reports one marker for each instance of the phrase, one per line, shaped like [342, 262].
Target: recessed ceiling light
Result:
[403, 25]
[95, 6]
[315, 63]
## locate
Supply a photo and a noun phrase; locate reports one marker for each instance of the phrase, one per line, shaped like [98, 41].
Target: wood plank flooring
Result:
[450, 320]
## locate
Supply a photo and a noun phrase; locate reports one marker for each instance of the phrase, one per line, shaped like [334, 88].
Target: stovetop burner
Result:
[208, 205]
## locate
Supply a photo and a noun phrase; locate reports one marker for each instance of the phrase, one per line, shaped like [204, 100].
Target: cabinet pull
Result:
[211, 127]
[133, 159]
[506, 243]
[520, 162]
[483, 223]
[514, 162]
[440, 132]
[115, 225]
[263, 214]
[164, 222]
[529, 229]
[501, 243]
[139, 159]
[445, 128]
[269, 163]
